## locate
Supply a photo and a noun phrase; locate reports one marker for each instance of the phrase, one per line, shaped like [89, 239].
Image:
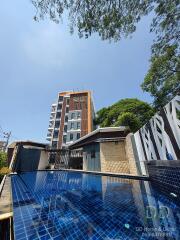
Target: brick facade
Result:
[68, 104]
[113, 157]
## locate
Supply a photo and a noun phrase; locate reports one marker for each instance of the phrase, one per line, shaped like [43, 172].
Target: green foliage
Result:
[121, 112]
[163, 78]
[3, 165]
[130, 120]
[3, 159]
[113, 19]
[110, 19]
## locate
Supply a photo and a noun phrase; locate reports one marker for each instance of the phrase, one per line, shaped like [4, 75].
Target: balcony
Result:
[51, 120]
[49, 134]
[53, 114]
[55, 138]
[48, 138]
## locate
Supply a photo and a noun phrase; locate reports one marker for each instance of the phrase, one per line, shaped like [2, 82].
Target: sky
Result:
[40, 59]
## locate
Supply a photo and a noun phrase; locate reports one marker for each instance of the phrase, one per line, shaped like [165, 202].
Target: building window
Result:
[78, 125]
[72, 125]
[60, 98]
[93, 154]
[78, 115]
[54, 144]
[67, 109]
[65, 128]
[71, 137]
[66, 118]
[64, 138]
[55, 135]
[67, 101]
[49, 135]
[57, 124]
[78, 135]
[72, 115]
[59, 107]
[58, 115]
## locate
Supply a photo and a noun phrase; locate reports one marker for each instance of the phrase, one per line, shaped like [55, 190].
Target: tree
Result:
[113, 19]
[163, 78]
[3, 159]
[130, 120]
[110, 19]
[129, 112]
[3, 165]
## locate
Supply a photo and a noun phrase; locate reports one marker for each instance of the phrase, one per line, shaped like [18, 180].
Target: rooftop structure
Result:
[107, 149]
[106, 134]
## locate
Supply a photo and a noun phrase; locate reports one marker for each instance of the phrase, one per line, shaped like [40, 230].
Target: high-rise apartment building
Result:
[71, 118]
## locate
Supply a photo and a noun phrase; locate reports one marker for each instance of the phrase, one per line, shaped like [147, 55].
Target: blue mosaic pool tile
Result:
[61, 205]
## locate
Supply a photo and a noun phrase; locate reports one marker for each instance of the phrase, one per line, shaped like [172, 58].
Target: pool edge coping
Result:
[121, 175]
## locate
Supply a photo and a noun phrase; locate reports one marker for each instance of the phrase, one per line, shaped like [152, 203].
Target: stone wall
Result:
[130, 155]
[43, 162]
[113, 157]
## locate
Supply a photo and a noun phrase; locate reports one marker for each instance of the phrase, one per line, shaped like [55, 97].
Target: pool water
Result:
[70, 205]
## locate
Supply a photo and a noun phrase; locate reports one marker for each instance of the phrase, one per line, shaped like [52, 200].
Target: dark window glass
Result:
[66, 118]
[60, 98]
[72, 125]
[78, 135]
[71, 137]
[58, 115]
[65, 128]
[55, 135]
[54, 144]
[57, 124]
[59, 106]
[78, 125]
[67, 109]
[64, 139]
[72, 115]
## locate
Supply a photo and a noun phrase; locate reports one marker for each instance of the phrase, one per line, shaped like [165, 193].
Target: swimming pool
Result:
[71, 205]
